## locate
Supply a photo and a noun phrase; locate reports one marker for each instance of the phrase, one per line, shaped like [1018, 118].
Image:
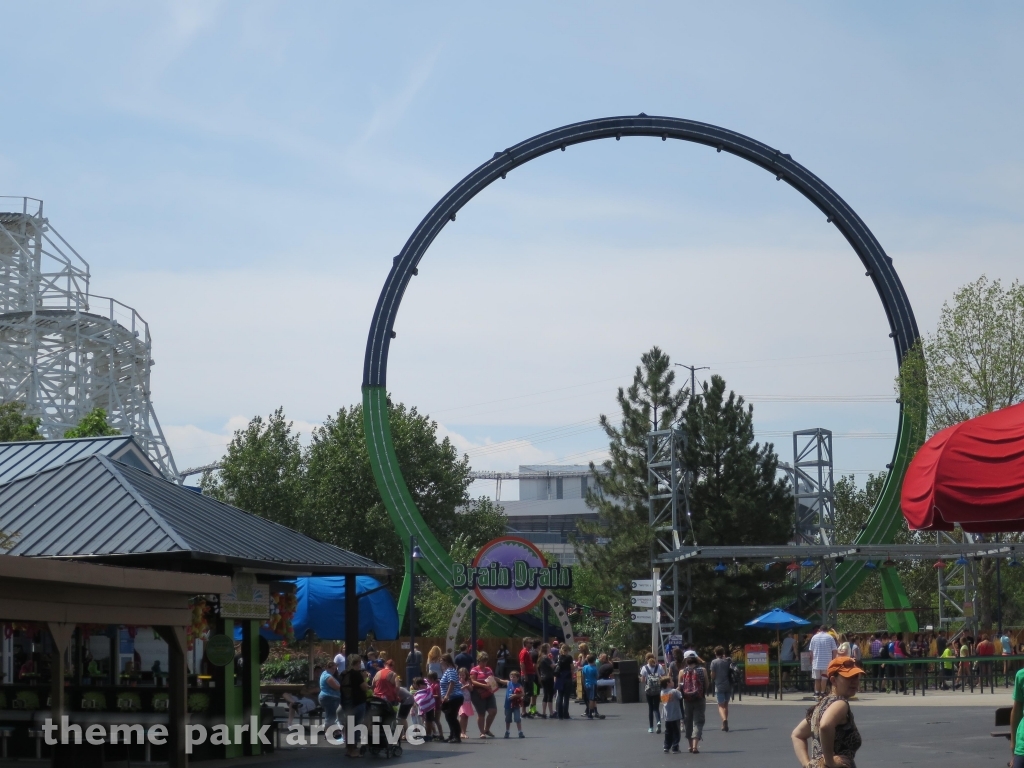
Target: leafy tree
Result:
[93, 424]
[736, 498]
[344, 504]
[15, 425]
[263, 472]
[973, 364]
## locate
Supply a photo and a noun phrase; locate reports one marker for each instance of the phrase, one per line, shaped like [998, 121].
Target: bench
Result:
[1002, 720]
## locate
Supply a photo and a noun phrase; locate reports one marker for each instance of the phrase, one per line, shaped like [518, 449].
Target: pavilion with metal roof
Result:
[31, 456]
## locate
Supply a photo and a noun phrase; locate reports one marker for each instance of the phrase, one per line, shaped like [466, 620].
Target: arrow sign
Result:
[642, 601]
[642, 585]
[642, 617]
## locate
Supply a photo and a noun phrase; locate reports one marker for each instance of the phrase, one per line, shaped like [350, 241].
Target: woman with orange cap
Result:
[829, 723]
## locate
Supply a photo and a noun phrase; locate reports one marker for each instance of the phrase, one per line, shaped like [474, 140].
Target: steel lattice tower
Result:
[64, 352]
[814, 497]
[669, 516]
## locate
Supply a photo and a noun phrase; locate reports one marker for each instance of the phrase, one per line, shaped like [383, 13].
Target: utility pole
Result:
[693, 376]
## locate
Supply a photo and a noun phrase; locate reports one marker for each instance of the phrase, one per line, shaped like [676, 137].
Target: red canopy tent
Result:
[971, 473]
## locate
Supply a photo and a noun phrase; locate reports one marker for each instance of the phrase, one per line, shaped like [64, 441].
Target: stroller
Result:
[380, 713]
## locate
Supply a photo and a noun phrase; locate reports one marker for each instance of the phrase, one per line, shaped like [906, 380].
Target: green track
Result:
[436, 562]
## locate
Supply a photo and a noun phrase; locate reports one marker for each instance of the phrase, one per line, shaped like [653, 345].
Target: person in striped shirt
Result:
[451, 697]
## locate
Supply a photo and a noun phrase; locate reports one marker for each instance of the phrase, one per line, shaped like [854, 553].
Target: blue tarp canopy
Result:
[321, 607]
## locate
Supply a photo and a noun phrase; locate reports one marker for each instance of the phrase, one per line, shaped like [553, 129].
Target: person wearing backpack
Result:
[650, 677]
[693, 684]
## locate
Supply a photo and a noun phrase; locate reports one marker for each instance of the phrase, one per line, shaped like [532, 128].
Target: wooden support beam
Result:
[177, 681]
[61, 635]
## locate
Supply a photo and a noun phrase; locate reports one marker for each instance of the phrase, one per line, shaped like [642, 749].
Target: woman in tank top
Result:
[829, 723]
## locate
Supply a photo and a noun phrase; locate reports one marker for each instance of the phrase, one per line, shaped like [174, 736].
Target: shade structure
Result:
[777, 619]
[971, 473]
[320, 606]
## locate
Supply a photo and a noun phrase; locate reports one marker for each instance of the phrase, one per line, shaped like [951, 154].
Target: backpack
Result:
[693, 684]
[653, 686]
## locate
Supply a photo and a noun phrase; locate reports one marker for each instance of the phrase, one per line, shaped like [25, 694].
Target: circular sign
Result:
[220, 650]
[518, 556]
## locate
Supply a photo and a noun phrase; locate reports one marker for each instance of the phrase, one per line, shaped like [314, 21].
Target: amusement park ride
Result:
[835, 571]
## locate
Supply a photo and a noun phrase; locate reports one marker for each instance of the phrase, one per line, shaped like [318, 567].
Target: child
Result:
[513, 704]
[435, 688]
[590, 687]
[466, 711]
[671, 713]
[426, 704]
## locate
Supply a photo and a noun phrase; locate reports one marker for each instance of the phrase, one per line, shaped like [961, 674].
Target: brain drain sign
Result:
[509, 575]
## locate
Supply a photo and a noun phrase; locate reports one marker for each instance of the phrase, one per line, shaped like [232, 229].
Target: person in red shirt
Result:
[481, 678]
[985, 648]
[528, 676]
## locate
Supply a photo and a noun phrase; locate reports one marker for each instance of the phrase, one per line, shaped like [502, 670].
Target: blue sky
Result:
[242, 174]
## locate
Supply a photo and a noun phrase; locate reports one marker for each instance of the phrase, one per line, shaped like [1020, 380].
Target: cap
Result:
[690, 655]
[845, 666]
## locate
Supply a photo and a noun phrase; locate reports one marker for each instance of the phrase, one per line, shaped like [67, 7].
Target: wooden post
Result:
[351, 615]
[61, 634]
[177, 686]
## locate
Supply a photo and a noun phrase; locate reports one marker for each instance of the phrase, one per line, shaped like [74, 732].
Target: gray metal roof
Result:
[97, 508]
[31, 456]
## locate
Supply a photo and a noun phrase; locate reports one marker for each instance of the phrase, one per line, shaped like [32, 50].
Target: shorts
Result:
[466, 709]
[817, 674]
[512, 714]
[403, 711]
[529, 685]
[482, 704]
[722, 694]
[430, 716]
[588, 693]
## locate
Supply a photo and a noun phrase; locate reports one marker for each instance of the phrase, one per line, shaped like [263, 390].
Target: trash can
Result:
[627, 675]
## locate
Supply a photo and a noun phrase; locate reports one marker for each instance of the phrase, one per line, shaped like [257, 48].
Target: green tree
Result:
[93, 424]
[973, 364]
[345, 507]
[618, 547]
[736, 498]
[263, 472]
[15, 425]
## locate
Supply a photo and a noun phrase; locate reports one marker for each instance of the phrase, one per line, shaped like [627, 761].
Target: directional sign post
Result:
[642, 617]
[642, 601]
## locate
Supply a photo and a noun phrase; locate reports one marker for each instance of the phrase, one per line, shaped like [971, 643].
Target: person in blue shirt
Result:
[330, 694]
[514, 703]
[590, 687]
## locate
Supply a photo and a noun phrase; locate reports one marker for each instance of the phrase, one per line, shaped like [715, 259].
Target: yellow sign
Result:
[756, 666]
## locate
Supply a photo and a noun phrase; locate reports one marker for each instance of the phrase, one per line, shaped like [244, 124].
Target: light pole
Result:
[693, 376]
[412, 670]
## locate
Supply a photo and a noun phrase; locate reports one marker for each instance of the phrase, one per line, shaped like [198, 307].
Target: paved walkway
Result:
[897, 730]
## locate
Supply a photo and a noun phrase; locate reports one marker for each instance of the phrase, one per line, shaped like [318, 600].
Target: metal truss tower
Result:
[670, 521]
[958, 586]
[62, 351]
[814, 497]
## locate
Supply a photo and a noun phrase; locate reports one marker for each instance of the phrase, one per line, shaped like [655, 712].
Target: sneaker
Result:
[675, 750]
[506, 734]
[650, 730]
[665, 750]
[600, 717]
[659, 728]
[725, 725]
[522, 735]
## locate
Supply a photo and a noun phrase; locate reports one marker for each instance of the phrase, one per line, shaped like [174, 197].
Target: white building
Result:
[551, 504]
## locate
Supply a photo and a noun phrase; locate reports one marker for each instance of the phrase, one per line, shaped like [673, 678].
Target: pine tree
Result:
[617, 547]
[736, 499]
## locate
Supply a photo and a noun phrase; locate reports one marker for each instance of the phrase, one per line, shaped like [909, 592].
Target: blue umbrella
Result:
[778, 620]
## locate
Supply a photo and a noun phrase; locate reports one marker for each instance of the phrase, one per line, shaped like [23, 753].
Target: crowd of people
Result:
[945, 660]
[454, 689]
